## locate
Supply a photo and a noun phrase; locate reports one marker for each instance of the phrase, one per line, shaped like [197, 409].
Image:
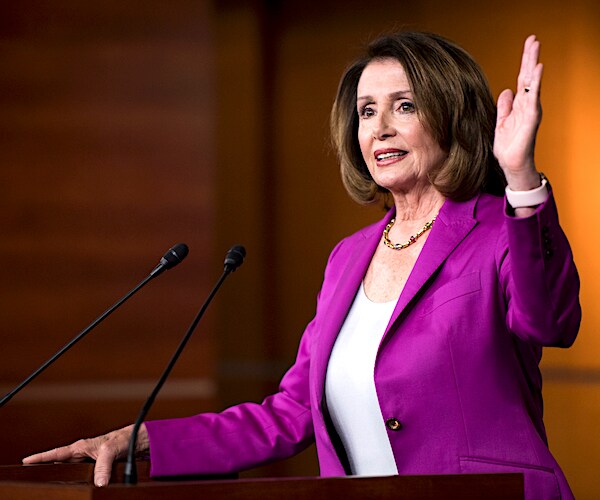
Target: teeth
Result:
[385, 156]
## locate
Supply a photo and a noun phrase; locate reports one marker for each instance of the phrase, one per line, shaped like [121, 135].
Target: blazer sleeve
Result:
[539, 278]
[241, 437]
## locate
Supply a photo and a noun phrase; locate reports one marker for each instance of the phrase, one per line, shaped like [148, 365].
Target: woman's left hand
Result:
[519, 117]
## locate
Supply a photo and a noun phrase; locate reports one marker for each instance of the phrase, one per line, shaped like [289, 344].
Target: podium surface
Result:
[73, 482]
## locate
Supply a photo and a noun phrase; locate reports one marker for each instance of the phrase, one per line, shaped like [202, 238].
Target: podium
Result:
[74, 482]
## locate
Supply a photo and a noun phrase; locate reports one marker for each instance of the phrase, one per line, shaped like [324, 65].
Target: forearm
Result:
[540, 279]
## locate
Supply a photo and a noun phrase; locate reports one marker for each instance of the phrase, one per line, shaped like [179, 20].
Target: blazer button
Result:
[393, 424]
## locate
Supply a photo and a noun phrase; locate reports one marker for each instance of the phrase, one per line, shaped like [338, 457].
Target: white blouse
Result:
[350, 388]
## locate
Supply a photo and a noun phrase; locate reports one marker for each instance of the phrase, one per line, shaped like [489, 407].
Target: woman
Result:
[423, 354]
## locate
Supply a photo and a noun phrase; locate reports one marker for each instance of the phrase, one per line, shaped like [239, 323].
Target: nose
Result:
[382, 126]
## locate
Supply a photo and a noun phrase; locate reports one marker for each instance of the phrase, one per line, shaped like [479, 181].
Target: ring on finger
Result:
[527, 89]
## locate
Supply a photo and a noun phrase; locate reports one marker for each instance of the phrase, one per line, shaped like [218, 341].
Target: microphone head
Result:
[174, 256]
[235, 257]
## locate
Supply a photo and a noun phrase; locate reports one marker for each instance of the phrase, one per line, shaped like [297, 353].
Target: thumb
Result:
[103, 468]
[505, 102]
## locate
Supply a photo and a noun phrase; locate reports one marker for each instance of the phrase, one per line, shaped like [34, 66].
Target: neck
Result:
[418, 205]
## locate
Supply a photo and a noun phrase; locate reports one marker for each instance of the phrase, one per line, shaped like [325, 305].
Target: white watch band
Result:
[531, 198]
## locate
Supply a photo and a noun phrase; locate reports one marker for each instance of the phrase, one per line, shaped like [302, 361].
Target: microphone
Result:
[169, 260]
[173, 257]
[233, 259]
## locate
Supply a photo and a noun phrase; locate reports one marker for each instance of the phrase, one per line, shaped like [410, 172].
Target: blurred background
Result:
[128, 126]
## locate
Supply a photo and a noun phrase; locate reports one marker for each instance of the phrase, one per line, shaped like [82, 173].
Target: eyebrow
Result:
[400, 94]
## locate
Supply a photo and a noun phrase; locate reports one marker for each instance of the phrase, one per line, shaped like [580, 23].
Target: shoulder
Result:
[483, 210]
[489, 208]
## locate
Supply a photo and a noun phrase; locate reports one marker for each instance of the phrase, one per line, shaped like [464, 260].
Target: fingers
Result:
[530, 72]
[70, 453]
[529, 60]
[109, 448]
[113, 446]
[46, 456]
[536, 79]
[529, 79]
[104, 450]
[107, 454]
[519, 116]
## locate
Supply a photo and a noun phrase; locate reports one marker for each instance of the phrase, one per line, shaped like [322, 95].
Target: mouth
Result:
[389, 155]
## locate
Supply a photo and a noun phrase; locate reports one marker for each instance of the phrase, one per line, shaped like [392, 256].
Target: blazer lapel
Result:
[454, 222]
[452, 225]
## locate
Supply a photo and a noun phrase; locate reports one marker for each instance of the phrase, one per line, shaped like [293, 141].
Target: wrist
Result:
[523, 180]
[531, 197]
[143, 443]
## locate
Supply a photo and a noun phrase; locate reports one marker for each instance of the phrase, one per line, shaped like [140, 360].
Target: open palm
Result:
[518, 120]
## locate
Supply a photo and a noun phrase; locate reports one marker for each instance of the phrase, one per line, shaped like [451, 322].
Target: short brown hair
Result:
[454, 103]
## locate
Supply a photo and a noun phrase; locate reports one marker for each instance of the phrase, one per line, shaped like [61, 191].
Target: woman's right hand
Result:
[103, 449]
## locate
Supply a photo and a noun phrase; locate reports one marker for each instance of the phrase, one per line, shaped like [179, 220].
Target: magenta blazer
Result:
[456, 373]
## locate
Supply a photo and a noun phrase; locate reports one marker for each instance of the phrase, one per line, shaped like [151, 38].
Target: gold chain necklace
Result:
[411, 240]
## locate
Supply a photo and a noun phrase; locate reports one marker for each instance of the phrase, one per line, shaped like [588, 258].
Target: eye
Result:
[366, 112]
[406, 107]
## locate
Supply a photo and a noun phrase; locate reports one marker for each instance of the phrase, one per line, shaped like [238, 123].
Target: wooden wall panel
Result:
[106, 154]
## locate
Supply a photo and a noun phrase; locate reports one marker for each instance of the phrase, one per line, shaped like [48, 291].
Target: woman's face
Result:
[396, 147]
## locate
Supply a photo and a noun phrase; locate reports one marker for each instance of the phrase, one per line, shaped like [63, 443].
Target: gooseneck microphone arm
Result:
[234, 259]
[173, 257]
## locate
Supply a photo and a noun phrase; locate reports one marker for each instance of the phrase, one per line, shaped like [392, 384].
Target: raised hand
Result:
[103, 449]
[519, 117]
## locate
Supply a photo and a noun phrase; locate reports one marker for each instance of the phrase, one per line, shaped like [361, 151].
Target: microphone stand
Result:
[169, 260]
[231, 264]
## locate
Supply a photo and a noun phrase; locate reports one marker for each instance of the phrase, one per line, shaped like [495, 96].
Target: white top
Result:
[350, 388]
